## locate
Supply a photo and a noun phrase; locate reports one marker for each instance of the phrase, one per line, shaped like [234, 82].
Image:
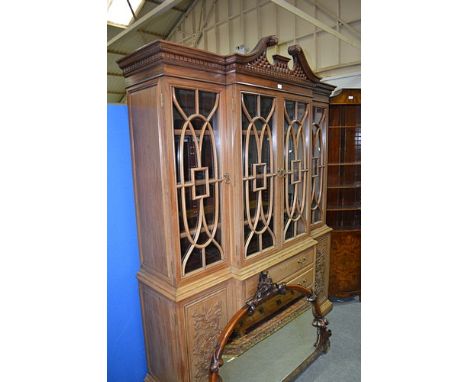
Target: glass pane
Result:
[212, 254]
[250, 101]
[207, 102]
[266, 153]
[301, 108]
[290, 110]
[197, 123]
[194, 262]
[318, 114]
[191, 208]
[208, 204]
[178, 121]
[186, 100]
[207, 159]
[266, 103]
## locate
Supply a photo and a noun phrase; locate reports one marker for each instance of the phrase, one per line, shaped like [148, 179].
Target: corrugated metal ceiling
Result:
[156, 28]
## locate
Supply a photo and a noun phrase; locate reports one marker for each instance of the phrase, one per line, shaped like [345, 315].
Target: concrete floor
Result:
[273, 358]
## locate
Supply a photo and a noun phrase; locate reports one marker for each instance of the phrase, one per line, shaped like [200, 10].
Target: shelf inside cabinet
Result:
[345, 127]
[351, 185]
[352, 228]
[345, 164]
[351, 207]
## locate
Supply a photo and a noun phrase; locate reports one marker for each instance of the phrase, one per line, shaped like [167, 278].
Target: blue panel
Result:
[126, 360]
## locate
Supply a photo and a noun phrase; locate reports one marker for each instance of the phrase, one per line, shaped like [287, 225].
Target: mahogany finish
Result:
[230, 170]
[344, 193]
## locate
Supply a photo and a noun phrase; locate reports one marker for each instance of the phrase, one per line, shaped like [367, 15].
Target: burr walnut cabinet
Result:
[344, 193]
[229, 164]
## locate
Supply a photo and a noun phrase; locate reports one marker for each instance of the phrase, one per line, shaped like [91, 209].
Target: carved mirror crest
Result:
[260, 360]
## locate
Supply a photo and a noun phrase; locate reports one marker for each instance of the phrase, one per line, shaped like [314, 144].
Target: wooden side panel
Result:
[322, 267]
[205, 319]
[345, 263]
[160, 326]
[147, 179]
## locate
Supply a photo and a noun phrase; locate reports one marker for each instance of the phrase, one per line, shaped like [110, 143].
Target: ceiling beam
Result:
[335, 16]
[300, 13]
[157, 2]
[156, 11]
[182, 18]
[160, 36]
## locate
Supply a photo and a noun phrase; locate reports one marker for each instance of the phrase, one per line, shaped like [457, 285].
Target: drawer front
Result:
[305, 279]
[283, 270]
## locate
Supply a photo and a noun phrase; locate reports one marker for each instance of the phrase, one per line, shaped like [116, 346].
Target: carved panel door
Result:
[196, 121]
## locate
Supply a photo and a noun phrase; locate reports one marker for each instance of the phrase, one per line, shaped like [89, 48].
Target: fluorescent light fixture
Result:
[119, 12]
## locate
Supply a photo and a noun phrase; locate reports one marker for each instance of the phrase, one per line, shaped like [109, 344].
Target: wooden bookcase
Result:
[344, 193]
[229, 165]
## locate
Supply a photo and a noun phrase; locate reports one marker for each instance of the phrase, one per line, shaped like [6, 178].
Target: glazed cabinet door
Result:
[258, 126]
[197, 124]
[319, 164]
[296, 140]
[276, 167]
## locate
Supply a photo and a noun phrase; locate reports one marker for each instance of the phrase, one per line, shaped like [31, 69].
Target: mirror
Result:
[255, 347]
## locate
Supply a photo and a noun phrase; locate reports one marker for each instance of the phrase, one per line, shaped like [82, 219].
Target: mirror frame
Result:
[267, 289]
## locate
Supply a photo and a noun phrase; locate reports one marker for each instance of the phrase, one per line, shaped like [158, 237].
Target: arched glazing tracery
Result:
[295, 166]
[318, 163]
[196, 144]
[258, 172]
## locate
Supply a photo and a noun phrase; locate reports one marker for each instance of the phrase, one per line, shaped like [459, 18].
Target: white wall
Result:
[222, 25]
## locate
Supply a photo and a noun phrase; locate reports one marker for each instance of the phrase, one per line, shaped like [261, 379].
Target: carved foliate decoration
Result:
[207, 328]
[321, 265]
[319, 273]
[266, 288]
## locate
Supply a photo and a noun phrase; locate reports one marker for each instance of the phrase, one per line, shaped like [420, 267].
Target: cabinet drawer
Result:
[281, 271]
[305, 279]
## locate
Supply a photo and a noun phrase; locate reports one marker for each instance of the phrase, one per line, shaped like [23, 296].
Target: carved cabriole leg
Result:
[322, 268]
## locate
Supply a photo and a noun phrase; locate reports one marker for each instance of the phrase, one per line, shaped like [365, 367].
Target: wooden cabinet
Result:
[229, 164]
[344, 193]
